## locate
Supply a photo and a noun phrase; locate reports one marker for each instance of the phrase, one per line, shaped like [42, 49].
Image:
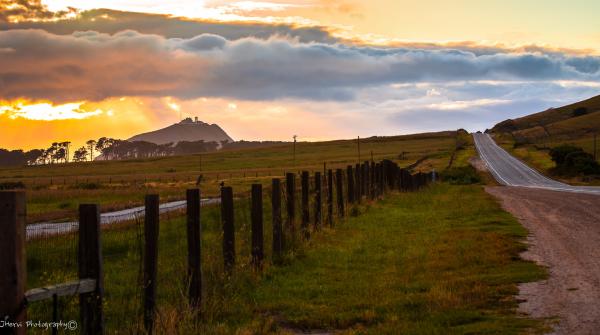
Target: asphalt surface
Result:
[510, 171]
[44, 229]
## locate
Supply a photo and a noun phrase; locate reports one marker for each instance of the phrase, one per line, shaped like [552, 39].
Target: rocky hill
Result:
[186, 130]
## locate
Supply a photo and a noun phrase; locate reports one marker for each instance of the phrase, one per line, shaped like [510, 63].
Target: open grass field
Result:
[55, 191]
[440, 261]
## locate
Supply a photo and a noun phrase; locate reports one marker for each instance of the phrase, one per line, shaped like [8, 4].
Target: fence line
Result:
[366, 180]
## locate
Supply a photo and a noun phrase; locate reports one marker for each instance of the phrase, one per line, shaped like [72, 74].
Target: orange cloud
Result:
[31, 10]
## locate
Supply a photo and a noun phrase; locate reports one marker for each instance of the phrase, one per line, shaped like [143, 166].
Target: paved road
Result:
[509, 171]
[47, 229]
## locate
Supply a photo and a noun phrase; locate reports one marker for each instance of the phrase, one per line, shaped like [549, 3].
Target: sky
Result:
[268, 70]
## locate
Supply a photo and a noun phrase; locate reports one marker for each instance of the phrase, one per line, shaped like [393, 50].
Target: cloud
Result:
[113, 21]
[95, 66]
[30, 10]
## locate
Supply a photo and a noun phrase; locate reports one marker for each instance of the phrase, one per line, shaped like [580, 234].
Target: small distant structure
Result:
[189, 120]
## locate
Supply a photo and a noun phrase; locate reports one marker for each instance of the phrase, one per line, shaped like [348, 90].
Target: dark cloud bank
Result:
[91, 65]
[113, 21]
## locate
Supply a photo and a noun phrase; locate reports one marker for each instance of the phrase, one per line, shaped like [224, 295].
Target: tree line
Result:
[106, 148]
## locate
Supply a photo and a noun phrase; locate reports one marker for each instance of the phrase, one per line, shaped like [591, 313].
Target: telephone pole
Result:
[295, 136]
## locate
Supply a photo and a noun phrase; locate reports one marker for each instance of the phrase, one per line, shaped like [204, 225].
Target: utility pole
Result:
[295, 136]
[372, 156]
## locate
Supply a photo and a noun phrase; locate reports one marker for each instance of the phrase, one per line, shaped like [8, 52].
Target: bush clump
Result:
[579, 111]
[464, 175]
[12, 185]
[87, 186]
[572, 160]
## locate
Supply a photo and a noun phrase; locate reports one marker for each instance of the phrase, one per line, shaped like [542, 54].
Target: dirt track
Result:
[565, 236]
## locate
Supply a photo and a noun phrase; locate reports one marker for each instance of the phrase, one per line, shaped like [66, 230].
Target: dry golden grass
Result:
[54, 192]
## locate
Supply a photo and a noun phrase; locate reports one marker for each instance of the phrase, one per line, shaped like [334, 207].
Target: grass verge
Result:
[441, 261]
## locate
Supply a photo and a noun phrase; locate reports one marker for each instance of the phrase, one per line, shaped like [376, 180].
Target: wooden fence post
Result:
[90, 267]
[151, 228]
[367, 179]
[340, 191]
[382, 177]
[372, 180]
[318, 200]
[290, 185]
[12, 260]
[378, 180]
[398, 172]
[375, 181]
[227, 219]
[402, 182]
[383, 180]
[194, 248]
[357, 183]
[278, 237]
[350, 177]
[257, 226]
[330, 198]
[305, 200]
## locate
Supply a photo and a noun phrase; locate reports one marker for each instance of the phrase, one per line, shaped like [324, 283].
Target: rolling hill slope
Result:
[571, 122]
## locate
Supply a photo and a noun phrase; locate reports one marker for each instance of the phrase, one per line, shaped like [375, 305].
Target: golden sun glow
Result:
[46, 111]
[33, 124]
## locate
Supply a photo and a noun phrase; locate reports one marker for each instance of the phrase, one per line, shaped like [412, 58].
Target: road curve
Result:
[39, 230]
[509, 171]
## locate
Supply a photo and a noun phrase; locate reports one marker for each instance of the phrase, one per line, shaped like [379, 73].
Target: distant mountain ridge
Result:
[187, 130]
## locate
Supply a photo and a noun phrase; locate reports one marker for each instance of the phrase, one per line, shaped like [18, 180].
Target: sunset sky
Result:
[266, 70]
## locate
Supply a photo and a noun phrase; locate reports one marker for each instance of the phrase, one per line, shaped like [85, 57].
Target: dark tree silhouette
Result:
[91, 144]
[19, 157]
[80, 155]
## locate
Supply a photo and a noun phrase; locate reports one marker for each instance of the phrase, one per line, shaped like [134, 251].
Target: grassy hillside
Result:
[54, 191]
[552, 116]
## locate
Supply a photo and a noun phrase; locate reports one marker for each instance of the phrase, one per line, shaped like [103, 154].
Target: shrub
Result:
[464, 175]
[572, 160]
[12, 185]
[579, 111]
[582, 162]
[559, 153]
[87, 186]
[64, 205]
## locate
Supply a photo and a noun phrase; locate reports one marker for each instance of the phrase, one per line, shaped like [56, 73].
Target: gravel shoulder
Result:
[565, 237]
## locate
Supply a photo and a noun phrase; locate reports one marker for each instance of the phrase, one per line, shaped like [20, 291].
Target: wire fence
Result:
[52, 256]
